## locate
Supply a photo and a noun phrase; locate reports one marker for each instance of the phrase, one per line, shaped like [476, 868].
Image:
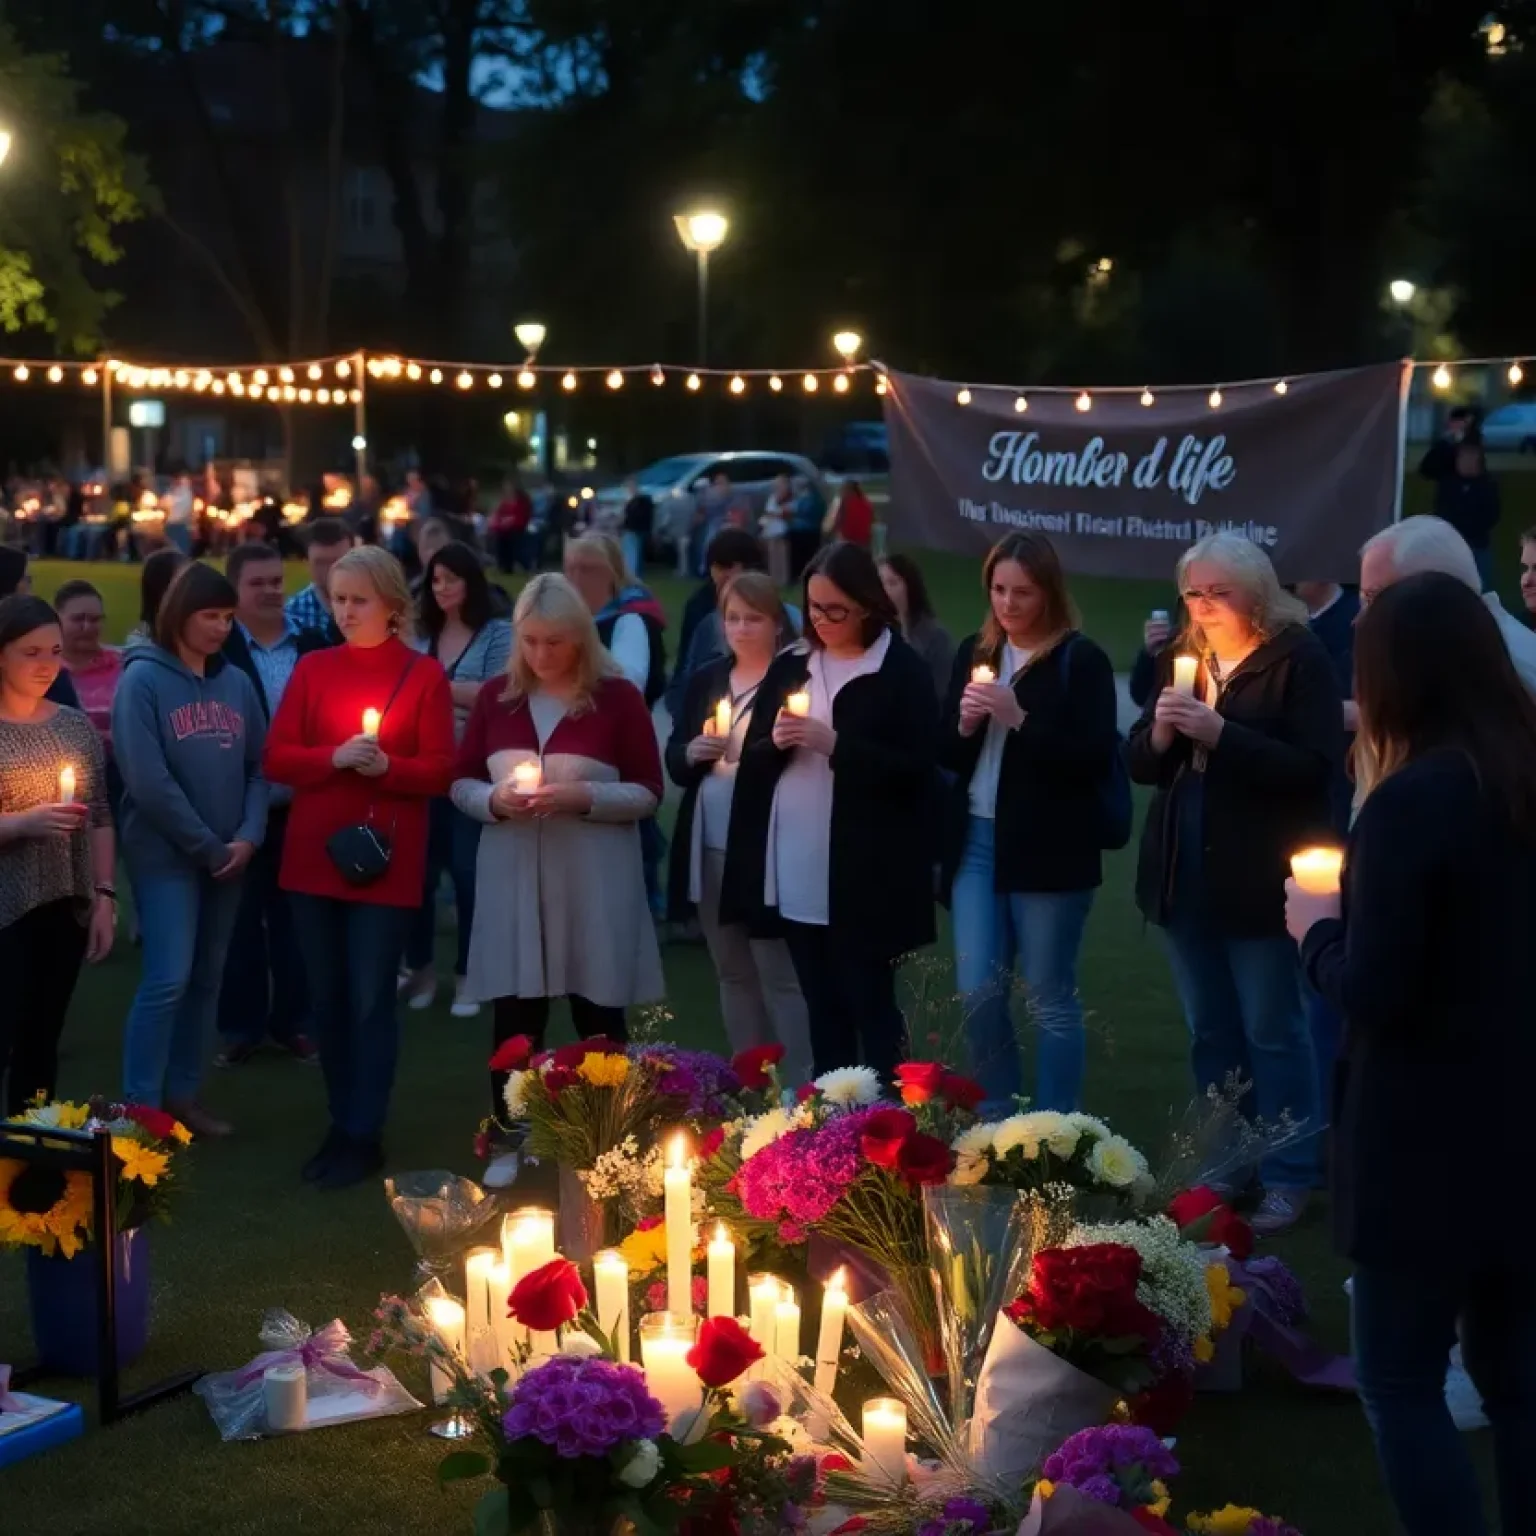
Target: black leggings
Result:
[40, 959]
[530, 1016]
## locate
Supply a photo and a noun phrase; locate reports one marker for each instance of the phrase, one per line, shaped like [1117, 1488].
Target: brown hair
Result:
[195, 589]
[1037, 556]
[852, 570]
[758, 592]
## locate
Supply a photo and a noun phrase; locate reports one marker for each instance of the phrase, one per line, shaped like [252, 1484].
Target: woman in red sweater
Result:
[365, 737]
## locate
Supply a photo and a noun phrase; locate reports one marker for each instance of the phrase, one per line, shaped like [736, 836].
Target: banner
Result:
[1309, 470]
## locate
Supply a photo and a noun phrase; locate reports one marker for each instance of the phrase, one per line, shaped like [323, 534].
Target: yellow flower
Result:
[1226, 1298]
[604, 1069]
[645, 1251]
[62, 1226]
[1045, 1489]
[182, 1134]
[1230, 1520]
[139, 1162]
[1205, 1351]
[1164, 1498]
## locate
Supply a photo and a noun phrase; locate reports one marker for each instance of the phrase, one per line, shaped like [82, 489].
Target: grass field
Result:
[248, 1235]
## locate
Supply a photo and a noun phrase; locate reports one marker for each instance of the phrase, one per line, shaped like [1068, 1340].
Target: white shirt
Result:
[630, 646]
[800, 827]
[1520, 640]
[990, 764]
[712, 810]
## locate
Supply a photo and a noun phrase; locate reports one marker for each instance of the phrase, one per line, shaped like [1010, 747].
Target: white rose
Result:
[515, 1093]
[852, 1087]
[1116, 1162]
[642, 1466]
[763, 1131]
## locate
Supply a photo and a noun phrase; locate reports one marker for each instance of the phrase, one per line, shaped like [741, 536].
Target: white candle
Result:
[479, 1335]
[527, 776]
[528, 1243]
[1184, 670]
[829, 1341]
[371, 719]
[447, 1319]
[786, 1327]
[798, 704]
[1316, 870]
[723, 718]
[722, 1274]
[983, 674]
[610, 1282]
[763, 1295]
[677, 1188]
[885, 1438]
[665, 1340]
[66, 784]
[285, 1389]
[505, 1334]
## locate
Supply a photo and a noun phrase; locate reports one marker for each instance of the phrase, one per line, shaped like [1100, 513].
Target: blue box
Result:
[57, 1428]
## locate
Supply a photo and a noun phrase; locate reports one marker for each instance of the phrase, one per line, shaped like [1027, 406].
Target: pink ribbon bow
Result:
[323, 1351]
[9, 1403]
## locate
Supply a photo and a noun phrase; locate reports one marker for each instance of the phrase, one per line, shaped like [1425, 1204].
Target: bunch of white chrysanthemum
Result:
[973, 1160]
[1038, 1130]
[1115, 1162]
[515, 1093]
[1172, 1271]
[849, 1087]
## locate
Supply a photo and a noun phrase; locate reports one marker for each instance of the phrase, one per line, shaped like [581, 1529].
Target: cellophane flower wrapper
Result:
[1027, 1402]
[441, 1213]
[1069, 1513]
[339, 1391]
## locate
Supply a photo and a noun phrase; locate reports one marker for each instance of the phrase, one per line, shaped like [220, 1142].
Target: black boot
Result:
[355, 1162]
[319, 1164]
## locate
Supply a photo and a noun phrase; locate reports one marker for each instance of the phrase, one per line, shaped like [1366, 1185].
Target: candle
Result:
[665, 1340]
[722, 1274]
[528, 1243]
[723, 718]
[526, 777]
[66, 784]
[829, 1341]
[763, 1294]
[505, 1333]
[479, 1335]
[285, 1389]
[677, 1189]
[786, 1327]
[798, 704]
[1316, 870]
[371, 719]
[610, 1282]
[885, 1438]
[1184, 669]
[447, 1319]
[983, 674]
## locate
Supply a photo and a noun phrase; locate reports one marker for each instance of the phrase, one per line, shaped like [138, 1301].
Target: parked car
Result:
[859, 448]
[1511, 428]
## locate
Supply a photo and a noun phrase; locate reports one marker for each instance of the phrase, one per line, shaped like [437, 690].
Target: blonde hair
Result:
[1269, 609]
[757, 591]
[604, 550]
[553, 599]
[384, 574]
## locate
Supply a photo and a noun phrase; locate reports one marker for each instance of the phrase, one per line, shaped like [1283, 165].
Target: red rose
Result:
[572, 1056]
[1187, 1208]
[482, 1146]
[159, 1124]
[1090, 1290]
[805, 1091]
[834, 1463]
[924, 1160]
[751, 1066]
[512, 1055]
[1215, 1221]
[919, 1080]
[1163, 1406]
[961, 1092]
[883, 1135]
[558, 1079]
[549, 1297]
[710, 1143]
[1233, 1233]
[722, 1351]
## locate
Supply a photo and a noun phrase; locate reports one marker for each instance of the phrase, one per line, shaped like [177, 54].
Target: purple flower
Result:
[704, 1081]
[968, 1511]
[1102, 1489]
[1113, 1463]
[1284, 1288]
[582, 1407]
[1264, 1526]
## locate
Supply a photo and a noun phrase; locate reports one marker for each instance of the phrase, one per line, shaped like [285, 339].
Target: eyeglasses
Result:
[1207, 595]
[833, 613]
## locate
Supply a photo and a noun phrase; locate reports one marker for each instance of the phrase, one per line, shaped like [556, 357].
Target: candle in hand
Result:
[885, 1438]
[66, 784]
[722, 1273]
[723, 718]
[798, 704]
[829, 1341]
[526, 777]
[983, 674]
[677, 1189]
[447, 1319]
[610, 1280]
[371, 719]
[1184, 669]
[1316, 870]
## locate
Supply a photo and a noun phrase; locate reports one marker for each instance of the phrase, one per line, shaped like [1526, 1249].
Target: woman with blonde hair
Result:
[1242, 764]
[560, 908]
[629, 619]
[364, 735]
[760, 997]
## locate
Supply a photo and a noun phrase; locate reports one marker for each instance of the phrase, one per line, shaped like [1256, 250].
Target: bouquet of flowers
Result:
[1234, 1520]
[1203, 1215]
[51, 1209]
[1043, 1150]
[1121, 1465]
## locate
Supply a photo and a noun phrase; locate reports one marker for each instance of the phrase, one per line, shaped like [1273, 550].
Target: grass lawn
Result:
[248, 1236]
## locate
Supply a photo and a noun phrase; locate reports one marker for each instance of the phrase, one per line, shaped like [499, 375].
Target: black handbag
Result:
[361, 852]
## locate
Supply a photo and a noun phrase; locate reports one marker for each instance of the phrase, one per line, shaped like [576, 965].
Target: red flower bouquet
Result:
[1203, 1216]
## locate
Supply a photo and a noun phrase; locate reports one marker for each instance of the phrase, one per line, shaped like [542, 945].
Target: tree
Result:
[66, 187]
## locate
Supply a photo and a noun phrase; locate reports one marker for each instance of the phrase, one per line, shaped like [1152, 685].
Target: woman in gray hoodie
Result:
[188, 731]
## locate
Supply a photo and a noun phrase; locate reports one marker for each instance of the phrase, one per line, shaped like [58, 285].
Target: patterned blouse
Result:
[37, 870]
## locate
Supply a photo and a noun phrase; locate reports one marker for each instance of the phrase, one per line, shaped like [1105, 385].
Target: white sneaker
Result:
[501, 1172]
[464, 1006]
[420, 990]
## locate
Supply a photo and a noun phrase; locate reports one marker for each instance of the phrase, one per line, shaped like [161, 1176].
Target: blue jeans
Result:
[1242, 1002]
[263, 991]
[1043, 932]
[186, 918]
[1404, 1323]
[634, 552]
[452, 848]
[352, 953]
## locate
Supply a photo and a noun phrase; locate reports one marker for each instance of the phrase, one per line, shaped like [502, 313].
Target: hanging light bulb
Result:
[376, 366]
[435, 377]
[882, 385]
[202, 381]
[526, 379]
[658, 378]
[1515, 374]
[219, 386]
[465, 380]
[343, 369]
[255, 391]
[316, 371]
[1281, 387]
[963, 398]
[323, 396]
[413, 370]
[1147, 397]
[305, 396]
[259, 377]
[568, 383]
[840, 383]
[494, 381]
[812, 383]
[1084, 401]
[22, 373]
[56, 375]
[88, 377]
[738, 385]
[615, 380]
[692, 381]
[182, 378]
[1214, 400]
[1441, 377]
[357, 397]
[290, 394]
[775, 383]
[286, 375]
[1021, 405]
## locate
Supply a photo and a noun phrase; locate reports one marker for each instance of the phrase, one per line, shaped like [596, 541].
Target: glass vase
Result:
[583, 1220]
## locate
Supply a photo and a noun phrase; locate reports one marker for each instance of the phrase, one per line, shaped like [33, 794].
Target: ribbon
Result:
[323, 1351]
[1272, 1330]
[9, 1402]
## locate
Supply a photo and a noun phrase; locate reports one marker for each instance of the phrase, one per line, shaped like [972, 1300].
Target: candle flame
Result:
[721, 1235]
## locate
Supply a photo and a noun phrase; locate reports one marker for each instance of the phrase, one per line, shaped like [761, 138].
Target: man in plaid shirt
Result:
[328, 539]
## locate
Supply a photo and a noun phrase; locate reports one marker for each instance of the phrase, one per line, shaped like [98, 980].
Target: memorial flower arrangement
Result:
[52, 1209]
[1122, 1465]
[1042, 1150]
[1234, 1520]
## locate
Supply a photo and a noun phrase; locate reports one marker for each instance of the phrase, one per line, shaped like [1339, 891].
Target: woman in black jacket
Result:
[1029, 735]
[828, 841]
[760, 998]
[1430, 960]
[1243, 769]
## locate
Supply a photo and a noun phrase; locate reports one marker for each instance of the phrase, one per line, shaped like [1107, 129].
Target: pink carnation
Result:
[798, 1179]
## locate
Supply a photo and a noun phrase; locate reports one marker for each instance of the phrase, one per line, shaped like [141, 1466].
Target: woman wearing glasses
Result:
[827, 843]
[1242, 768]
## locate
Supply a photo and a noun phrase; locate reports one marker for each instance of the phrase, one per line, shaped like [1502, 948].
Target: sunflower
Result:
[139, 1162]
[44, 1208]
[603, 1070]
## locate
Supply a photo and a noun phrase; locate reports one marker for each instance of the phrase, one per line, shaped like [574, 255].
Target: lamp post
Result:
[702, 232]
[847, 345]
[530, 336]
[1402, 291]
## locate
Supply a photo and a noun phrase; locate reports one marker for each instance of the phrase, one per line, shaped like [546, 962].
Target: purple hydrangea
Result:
[797, 1179]
[1285, 1289]
[704, 1081]
[583, 1407]
[1264, 1526]
[959, 1517]
[1112, 1463]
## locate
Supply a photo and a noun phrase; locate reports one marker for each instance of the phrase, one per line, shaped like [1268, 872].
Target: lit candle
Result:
[665, 1340]
[527, 776]
[829, 1341]
[1184, 669]
[983, 674]
[371, 719]
[610, 1281]
[1316, 870]
[66, 784]
[479, 1335]
[763, 1293]
[885, 1438]
[786, 1326]
[528, 1242]
[723, 718]
[447, 1319]
[722, 1274]
[677, 1188]
[505, 1333]
[798, 704]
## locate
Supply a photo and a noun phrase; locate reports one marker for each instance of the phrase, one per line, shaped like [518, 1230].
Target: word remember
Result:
[1196, 467]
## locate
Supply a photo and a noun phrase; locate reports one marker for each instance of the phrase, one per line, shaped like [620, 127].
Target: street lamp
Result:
[1402, 290]
[847, 344]
[5, 143]
[702, 232]
[530, 336]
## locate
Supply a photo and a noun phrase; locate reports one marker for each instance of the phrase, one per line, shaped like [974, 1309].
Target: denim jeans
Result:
[263, 991]
[452, 848]
[1043, 932]
[352, 953]
[633, 545]
[850, 1001]
[1242, 1002]
[1404, 1323]
[186, 919]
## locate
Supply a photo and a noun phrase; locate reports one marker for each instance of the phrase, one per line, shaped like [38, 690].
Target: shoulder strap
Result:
[394, 692]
